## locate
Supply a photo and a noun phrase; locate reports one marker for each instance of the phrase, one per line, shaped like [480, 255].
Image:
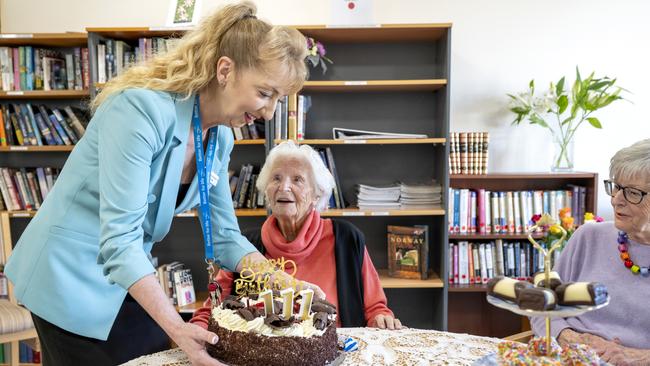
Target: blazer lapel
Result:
[173, 170]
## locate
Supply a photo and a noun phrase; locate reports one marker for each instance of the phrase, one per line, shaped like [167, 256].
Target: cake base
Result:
[244, 349]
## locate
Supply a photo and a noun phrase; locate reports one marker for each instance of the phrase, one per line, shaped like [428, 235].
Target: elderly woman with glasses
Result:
[328, 253]
[616, 254]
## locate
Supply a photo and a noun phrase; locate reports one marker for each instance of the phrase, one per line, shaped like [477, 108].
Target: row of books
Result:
[477, 263]
[399, 195]
[251, 131]
[337, 200]
[25, 188]
[177, 282]
[468, 152]
[482, 211]
[115, 56]
[37, 125]
[243, 188]
[25, 354]
[33, 68]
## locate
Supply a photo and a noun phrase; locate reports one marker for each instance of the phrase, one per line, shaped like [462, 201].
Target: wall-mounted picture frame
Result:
[183, 13]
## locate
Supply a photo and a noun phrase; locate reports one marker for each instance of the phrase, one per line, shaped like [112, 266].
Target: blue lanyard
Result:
[203, 170]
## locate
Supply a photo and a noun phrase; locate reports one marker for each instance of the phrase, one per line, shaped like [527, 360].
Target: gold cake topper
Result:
[255, 277]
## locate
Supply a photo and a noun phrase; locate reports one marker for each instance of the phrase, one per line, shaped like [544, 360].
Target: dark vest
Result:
[349, 250]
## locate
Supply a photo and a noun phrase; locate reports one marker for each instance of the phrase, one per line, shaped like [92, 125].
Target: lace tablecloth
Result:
[381, 347]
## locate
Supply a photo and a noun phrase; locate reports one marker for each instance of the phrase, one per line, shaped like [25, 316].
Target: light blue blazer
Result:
[114, 199]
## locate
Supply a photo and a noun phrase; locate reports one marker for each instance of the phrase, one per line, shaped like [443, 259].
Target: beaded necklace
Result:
[625, 256]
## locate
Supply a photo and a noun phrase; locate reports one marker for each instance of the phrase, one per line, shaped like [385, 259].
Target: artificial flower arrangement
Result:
[552, 230]
[317, 53]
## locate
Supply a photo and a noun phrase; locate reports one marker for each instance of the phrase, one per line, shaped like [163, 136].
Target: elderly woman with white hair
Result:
[616, 254]
[328, 253]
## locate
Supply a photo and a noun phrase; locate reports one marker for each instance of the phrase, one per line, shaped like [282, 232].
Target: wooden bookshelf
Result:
[474, 236]
[467, 288]
[381, 33]
[259, 212]
[336, 86]
[70, 39]
[400, 75]
[250, 142]
[53, 148]
[469, 311]
[44, 94]
[433, 281]
[134, 33]
[353, 211]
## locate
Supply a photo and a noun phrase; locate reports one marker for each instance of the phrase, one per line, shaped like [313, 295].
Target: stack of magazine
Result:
[386, 196]
[350, 134]
[420, 195]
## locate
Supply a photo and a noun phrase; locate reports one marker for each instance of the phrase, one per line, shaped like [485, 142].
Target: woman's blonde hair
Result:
[232, 31]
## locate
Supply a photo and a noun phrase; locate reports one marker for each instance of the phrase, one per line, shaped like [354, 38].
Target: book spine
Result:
[486, 139]
[456, 211]
[496, 222]
[510, 213]
[472, 212]
[488, 212]
[489, 262]
[498, 270]
[463, 153]
[516, 203]
[502, 212]
[292, 110]
[463, 264]
[464, 210]
[85, 68]
[65, 126]
[481, 210]
[59, 130]
[450, 211]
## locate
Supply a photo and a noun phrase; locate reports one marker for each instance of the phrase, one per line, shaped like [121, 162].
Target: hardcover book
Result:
[408, 251]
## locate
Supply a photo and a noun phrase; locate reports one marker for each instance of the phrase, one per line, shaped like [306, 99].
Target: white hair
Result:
[320, 176]
[632, 161]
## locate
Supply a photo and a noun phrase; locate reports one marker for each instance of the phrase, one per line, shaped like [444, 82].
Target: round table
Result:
[381, 347]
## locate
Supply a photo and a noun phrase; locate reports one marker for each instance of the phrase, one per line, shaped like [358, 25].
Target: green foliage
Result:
[569, 107]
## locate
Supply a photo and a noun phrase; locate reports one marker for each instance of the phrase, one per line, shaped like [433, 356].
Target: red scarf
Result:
[301, 247]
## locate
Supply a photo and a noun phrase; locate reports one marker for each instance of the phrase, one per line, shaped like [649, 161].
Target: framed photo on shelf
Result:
[183, 13]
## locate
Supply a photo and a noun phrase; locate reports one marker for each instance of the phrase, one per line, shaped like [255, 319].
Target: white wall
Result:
[498, 46]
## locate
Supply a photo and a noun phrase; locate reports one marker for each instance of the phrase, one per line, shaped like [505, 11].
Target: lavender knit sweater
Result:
[592, 255]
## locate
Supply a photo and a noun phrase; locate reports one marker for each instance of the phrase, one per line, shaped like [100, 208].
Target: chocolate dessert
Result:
[248, 337]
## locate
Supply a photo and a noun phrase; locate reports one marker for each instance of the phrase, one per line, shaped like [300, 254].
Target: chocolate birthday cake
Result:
[253, 332]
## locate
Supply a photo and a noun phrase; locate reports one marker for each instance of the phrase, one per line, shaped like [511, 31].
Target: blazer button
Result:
[151, 198]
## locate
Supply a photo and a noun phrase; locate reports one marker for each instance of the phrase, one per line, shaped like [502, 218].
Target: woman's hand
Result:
[383, 321]
[191, 339]
[618, 355]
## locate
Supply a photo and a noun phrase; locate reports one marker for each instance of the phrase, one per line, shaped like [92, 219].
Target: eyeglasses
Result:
[632, 195]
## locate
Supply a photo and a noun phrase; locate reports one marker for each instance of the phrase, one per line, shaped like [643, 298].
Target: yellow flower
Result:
[313, 51]
[589, 216]
[555, 229]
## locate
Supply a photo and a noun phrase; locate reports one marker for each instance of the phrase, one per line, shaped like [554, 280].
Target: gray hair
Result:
[631, 161]
[321, 177]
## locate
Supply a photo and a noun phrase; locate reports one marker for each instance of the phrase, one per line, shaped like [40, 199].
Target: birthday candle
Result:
[305, 305]
[267, 296]
[287, 302]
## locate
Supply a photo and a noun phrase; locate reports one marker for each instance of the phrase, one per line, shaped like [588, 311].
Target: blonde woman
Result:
[81, 265]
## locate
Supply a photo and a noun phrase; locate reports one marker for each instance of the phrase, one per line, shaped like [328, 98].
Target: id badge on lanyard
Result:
[205, 178]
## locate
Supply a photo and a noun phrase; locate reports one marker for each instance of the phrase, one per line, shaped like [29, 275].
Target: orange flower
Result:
[565, 212]
[567, 222]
